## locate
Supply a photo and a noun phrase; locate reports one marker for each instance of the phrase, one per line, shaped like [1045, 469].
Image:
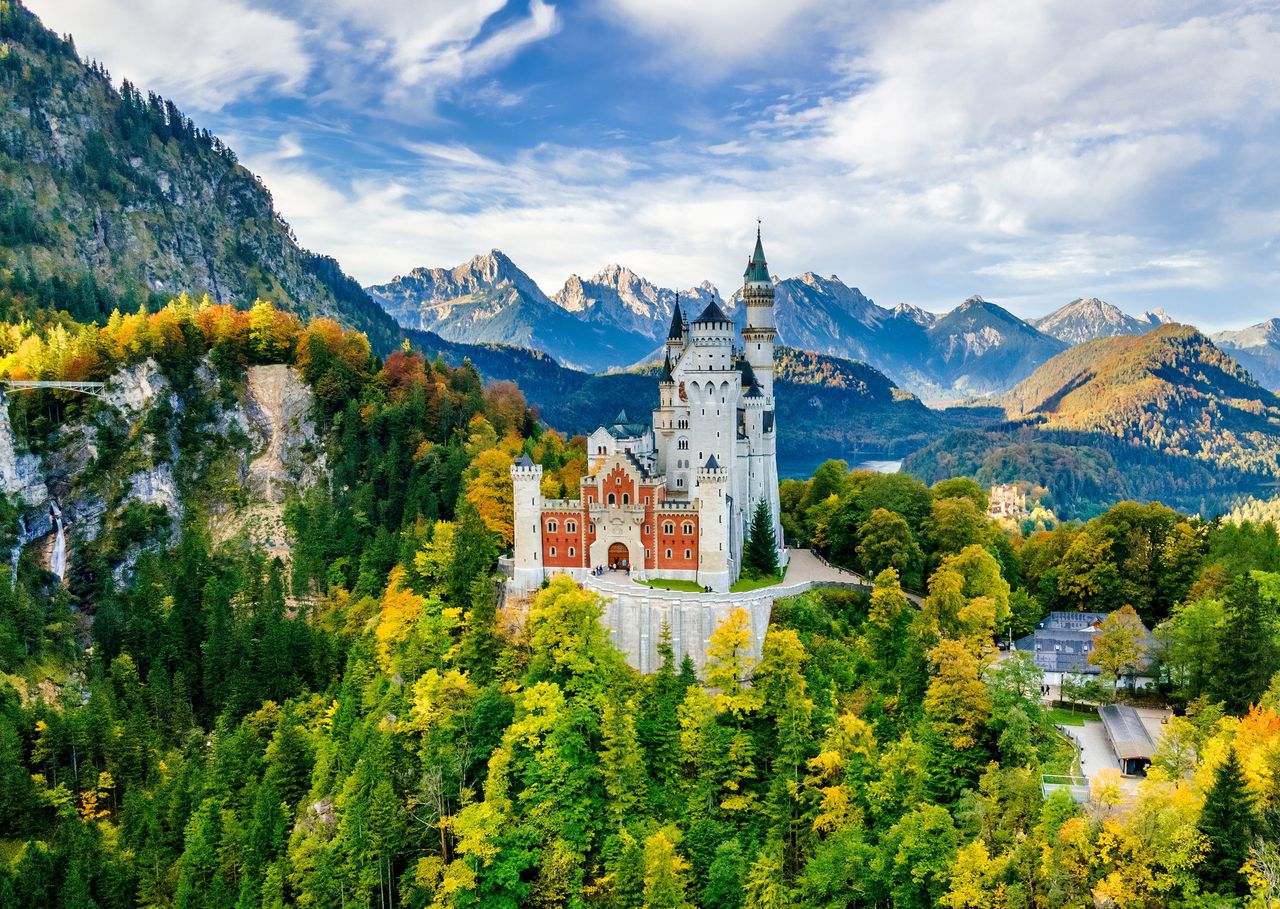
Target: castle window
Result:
[646, 500]
[682, 444]
[617, 481]
[551, 526]
[680, 482]
[571, 526]
[626, 499]
[591, 529]
[600, 449]
[687, 553]
[553, 550]
[570, 552]
[646, 554]
[687, 528]
[668, 553]
[646, 528]
[668, 528]
[613, 500]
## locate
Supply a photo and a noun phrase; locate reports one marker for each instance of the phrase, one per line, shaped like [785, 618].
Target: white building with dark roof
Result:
[1062, 642]
[674, 497]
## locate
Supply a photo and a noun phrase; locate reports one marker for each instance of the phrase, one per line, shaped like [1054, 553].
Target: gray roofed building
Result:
[1063, 641]
[1129, 738]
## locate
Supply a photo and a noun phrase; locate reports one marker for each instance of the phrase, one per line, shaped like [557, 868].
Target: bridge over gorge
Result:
[89, 388]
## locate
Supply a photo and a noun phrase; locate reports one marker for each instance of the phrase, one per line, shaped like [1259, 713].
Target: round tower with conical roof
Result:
[759, 333]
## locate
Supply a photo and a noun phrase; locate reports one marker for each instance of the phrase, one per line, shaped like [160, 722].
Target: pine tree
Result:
[760, 555]
[1247, 656]
[1228, 822]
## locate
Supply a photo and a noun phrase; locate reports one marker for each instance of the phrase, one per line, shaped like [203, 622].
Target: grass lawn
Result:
[671, 584]
[1066, 717]
[745, 584]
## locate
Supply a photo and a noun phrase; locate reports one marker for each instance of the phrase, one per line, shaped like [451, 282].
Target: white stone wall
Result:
[635, 625]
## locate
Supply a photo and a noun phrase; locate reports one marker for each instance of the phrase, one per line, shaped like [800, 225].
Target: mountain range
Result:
[617, 319]
[1085, 319]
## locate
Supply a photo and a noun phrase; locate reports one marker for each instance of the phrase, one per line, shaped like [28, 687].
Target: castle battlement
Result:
[709, 445]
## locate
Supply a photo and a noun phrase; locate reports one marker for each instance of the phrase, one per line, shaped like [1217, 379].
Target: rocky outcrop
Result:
[278, 408]
[20, 473]
[131, 391]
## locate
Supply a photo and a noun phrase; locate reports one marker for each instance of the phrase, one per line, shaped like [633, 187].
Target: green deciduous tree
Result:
[1120, 644]
[886, 541]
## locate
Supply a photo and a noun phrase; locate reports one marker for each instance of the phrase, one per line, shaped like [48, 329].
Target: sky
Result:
[1030, 151]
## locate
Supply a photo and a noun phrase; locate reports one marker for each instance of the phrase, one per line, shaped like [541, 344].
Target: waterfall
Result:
[58, 559]
[16, 553]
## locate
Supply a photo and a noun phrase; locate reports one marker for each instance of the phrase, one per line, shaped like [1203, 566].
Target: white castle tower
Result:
[757, 339]
[526, 477]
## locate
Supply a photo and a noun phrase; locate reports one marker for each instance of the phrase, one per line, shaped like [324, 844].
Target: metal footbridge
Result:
[89, 388]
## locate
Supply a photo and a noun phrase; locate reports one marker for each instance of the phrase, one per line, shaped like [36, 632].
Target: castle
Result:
[672, 498]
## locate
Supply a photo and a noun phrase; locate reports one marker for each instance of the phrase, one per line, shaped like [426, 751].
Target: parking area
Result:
[1096, 753]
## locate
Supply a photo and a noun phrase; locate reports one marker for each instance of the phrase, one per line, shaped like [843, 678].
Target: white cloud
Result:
[716, 32]
[203, 54]
[428, 46]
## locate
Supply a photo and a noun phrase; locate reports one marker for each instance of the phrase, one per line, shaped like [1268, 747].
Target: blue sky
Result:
[1031, 151]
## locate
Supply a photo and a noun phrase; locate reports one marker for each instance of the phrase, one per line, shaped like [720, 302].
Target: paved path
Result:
[805, 570]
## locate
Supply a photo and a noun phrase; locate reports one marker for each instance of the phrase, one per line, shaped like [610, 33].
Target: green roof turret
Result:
[757, 268]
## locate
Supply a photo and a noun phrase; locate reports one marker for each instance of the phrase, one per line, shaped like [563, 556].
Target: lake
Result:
[801, 467]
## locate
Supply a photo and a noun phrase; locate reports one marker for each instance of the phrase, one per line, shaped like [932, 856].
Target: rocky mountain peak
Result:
[1086, 318]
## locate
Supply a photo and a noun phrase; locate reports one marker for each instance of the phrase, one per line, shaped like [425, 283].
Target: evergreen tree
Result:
[1228, 822]
[760, 555]
[1247, 655]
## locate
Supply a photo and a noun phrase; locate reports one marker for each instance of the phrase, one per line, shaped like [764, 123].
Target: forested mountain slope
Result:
[114, 198]
[1162, 415]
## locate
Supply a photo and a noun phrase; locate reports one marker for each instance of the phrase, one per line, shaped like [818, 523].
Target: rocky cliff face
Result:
[20, 473]
[277, 413]
[121, 461]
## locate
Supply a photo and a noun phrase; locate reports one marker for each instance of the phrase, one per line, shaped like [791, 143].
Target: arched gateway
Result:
[618, 556]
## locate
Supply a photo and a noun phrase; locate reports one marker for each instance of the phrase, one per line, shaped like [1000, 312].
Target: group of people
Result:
[615, 566]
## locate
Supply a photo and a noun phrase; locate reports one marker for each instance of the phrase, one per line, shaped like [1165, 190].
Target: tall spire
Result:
[677, 323]
[757, 268]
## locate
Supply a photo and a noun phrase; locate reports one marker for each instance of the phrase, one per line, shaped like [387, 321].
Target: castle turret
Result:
[759, 333]
[676, 334]
[717, 518]
[526, 477]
